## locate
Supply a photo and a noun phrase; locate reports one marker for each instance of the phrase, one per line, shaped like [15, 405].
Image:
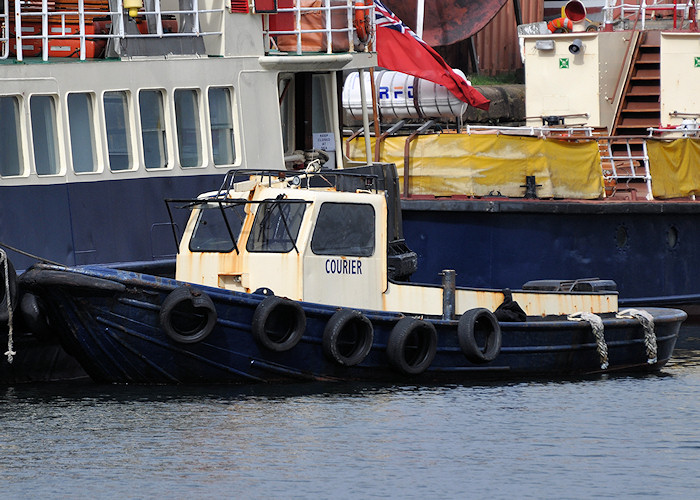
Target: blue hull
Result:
[95, 222]
[85, 223]
[115, 332]
[650, 249]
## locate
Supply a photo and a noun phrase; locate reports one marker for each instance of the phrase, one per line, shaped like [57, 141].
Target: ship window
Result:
[188, 134]
[221, 119]
[82, 136]
[10, 152]
[344, 229]
[155, 154]
[43, 113]
[276, 226]
[211, 233]
[117, 122]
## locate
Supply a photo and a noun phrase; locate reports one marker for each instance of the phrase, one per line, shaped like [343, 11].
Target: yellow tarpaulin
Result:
[479, 165]
[674, 167]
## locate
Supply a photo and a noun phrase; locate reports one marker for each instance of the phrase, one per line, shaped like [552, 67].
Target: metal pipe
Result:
[336, 120]
[375, 112]
[379, 138]
[365, 118]
[407, 156]
[449, 289]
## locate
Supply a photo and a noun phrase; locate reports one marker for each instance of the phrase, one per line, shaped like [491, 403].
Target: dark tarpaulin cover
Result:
[447, 21]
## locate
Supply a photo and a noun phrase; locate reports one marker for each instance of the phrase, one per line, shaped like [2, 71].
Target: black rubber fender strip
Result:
[36, 278]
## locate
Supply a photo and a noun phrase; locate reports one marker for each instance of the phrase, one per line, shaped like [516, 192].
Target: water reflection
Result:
[614, 436]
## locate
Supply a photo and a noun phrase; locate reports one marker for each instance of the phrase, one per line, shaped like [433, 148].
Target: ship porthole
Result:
[672, 237]
[621, 237]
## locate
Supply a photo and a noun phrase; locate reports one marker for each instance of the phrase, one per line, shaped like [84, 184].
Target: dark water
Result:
[609, 437]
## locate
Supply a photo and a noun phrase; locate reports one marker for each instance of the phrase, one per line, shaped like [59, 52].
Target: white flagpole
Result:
[420, 10]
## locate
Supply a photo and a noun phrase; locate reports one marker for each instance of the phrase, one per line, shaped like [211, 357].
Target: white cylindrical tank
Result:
[402, 96]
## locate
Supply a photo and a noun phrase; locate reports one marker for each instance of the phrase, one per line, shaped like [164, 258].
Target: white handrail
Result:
[49, 19]
[307, 16]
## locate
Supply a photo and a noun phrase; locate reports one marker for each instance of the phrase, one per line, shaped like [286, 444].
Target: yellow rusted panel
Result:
[413, 299]
[552, 303]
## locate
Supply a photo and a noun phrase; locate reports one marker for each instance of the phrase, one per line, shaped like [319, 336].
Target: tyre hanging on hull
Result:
[479, 326]
[412, 346]
[187, 315]
[35, 316]
[348, 337]
[278, 324]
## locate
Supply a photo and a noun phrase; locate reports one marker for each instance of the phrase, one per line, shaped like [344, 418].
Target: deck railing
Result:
[642, 10]
[327, 26]
[81, 29]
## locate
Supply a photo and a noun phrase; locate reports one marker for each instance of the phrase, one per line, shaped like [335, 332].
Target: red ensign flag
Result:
[400, 49]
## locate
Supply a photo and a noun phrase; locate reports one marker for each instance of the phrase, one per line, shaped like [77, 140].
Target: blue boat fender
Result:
[479, 324]
[8, 280]
[412, 346]
[278, 323]
[187, 315]
[348, 337]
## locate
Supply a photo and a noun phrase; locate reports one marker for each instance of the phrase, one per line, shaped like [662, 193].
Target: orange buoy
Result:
[560, 25]
[362, 22]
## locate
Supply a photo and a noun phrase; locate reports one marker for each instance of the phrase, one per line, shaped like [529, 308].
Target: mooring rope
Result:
[27, 254]
[10, 341]
[647, 321]
[597, 327]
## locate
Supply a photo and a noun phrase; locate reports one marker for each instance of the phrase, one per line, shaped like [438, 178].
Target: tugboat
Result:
[108, 107]
[285, 276]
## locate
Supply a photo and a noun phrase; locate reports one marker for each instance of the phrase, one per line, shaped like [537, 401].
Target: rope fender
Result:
[647, 321]
[4, 261]
[597, 327]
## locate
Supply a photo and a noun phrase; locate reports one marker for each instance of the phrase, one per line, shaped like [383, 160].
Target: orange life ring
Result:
[560, 25]
[361, 20]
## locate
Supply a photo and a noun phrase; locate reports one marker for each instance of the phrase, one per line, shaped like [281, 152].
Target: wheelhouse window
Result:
[117, 123]
[82, 135]
[10, 150]
[189, 141]
[211, 233]
[276, 226]
[221, 119]
[155, 153]
[344, 229]
[43, 116]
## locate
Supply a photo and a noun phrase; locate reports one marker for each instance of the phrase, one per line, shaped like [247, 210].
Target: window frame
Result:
[52, 151]
[336, 230]
[91, 105]
[128, 140]
[19, 159]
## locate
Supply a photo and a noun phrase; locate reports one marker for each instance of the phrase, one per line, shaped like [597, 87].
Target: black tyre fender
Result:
[34, 315]
[278, 324]
[412, 346]
[479, 324]
[348, 337]
[12, 280]
[187, 315]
